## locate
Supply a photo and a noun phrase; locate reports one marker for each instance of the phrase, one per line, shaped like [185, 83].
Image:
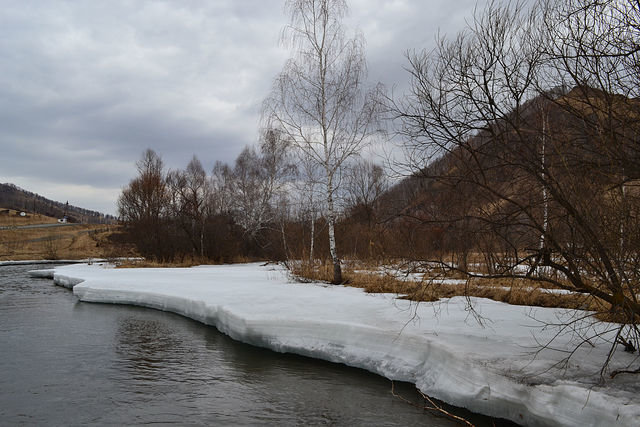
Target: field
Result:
[13, 219]
[66, 241]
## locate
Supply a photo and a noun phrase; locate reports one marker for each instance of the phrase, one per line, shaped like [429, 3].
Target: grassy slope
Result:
[70, 242]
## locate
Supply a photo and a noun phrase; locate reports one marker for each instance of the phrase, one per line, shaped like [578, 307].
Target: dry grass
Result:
[72, 242]
[13, 219]
[511, 291]
[186, 262]
[144, 263]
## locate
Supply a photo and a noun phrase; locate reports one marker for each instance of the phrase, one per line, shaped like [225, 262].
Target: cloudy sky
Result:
[87, 86]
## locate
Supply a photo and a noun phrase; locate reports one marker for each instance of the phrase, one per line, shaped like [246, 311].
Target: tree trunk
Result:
[331, 219]
[284, 241]
[202, 240]
[313, 232]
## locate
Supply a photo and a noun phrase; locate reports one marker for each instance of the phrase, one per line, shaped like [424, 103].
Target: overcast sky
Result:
[87, 86]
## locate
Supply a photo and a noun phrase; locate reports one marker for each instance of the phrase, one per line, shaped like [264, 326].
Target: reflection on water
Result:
[68, 363]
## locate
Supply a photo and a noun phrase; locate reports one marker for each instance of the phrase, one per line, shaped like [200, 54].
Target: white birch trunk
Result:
[313, 232]
[331, 220]
[545, 201]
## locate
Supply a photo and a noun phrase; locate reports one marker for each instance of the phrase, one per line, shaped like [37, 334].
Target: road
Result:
[21, 227]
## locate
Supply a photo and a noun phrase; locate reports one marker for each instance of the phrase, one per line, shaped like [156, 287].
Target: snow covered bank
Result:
[42, 274]
[437, 346]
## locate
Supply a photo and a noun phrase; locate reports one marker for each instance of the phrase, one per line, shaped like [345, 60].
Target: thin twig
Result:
[433, 407]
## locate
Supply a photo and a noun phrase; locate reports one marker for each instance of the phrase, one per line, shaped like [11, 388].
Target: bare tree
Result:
[365, 183]
[142, 204]
[190, 196]
[250, 205]
[197, 198]
[318, 99]
[221, 185]
[257, 179]
[310, 200]
[486, 122]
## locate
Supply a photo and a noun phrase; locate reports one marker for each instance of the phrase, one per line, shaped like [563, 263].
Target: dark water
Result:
[64, 362]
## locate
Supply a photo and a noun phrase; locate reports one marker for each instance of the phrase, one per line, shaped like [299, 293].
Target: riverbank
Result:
[497, 368]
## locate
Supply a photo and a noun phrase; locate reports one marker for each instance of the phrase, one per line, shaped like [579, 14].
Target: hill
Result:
[36, 236]
[572, 146]
[16, 198]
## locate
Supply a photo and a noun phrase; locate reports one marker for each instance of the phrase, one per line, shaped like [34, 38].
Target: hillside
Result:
[14, 197]
[37, 236]
[591, 146]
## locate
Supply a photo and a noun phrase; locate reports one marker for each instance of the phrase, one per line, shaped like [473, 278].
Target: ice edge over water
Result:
[456, 362]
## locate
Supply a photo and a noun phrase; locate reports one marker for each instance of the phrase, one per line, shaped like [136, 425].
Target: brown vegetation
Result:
[435, 286]
[60, 242]
[12, 218]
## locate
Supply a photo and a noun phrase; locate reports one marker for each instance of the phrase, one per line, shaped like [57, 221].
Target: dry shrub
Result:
[356, 275]
[515, 291]
[51, 246]
[147, 263]
[511, 291]
[312, 272]
[184, 262]
[379, 283]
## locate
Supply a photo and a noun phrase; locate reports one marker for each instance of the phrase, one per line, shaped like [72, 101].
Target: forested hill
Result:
[14, 197]
[591, 145]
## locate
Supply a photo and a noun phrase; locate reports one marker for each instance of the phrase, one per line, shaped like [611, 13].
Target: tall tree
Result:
[257, 180]
[190, 192]
[143, 202]
[365, 183]
[319, 101]
[485, 122]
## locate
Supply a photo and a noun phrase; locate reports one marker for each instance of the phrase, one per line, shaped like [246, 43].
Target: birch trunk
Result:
[331, 220]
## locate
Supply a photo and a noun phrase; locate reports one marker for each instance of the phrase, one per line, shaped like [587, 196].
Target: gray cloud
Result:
[85, 87]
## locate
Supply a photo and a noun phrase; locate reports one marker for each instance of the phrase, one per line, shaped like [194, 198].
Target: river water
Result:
[64, 362]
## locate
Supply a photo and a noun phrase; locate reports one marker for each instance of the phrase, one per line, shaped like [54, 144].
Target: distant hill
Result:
[14, 197]
[577, 142]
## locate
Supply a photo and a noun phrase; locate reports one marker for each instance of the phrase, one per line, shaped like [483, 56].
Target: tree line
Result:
[261, 207]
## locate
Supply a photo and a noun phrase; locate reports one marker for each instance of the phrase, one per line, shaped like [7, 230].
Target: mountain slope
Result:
[14, 197]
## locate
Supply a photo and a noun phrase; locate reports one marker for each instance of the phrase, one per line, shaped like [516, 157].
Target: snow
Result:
[42, 274]
[491, 368]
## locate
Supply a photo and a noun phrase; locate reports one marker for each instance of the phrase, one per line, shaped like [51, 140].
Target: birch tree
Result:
[319, 100]
[258, 180]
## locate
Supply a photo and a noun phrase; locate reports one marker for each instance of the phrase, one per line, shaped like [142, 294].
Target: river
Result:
[64, 362]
